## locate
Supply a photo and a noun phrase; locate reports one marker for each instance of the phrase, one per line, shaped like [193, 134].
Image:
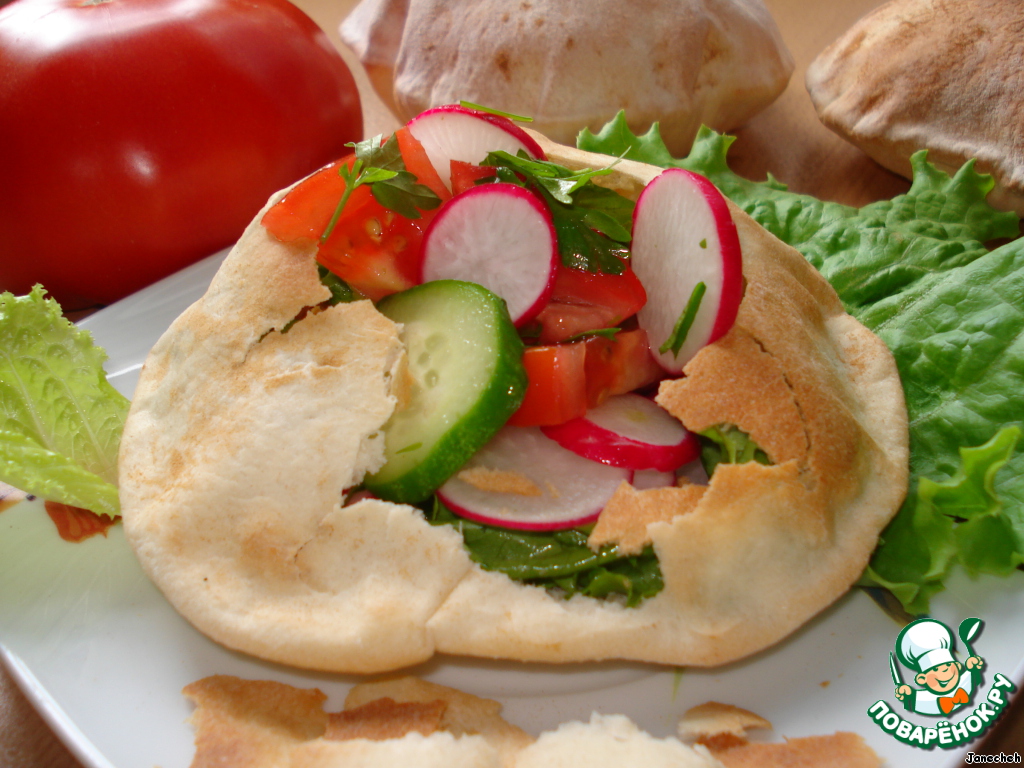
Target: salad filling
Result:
[391, 223]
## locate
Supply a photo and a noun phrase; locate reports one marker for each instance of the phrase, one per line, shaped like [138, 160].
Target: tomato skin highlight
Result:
[139, 136]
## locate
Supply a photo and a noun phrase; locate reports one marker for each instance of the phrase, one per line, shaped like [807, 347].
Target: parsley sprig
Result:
[379, 164]
[681, 330]
[592, 223]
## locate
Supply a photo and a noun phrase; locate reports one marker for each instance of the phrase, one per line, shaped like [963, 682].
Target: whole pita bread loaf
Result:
[941, 75]
[241, 439]
[575, 65]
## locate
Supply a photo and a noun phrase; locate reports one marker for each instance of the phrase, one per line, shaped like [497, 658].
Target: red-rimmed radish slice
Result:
[501, 237]
[556, 488]
[645, 479]
[454, 132]
[628, 431]
[683, 234]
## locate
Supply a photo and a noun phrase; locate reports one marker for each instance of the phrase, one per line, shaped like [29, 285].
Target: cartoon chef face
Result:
[942, 678]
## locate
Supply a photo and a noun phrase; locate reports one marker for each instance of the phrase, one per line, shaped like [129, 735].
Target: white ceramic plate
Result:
[103, 656]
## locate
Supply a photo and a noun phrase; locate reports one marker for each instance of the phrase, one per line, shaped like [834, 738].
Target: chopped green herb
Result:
[341, 292]
[379, 164]
[608, 333]
[492, 111]
[704, 243]
[409, 448]
[677, 338]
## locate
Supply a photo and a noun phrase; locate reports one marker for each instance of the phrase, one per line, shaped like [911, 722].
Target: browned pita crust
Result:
[464, 714]
[241, 439]
[385, 719]
[840, 750]
[625, 519]
[264, 724]
[252, 723]
[941, 75]
[575, 65]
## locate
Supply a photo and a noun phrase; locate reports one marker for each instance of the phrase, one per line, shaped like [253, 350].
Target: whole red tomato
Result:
[137, 136]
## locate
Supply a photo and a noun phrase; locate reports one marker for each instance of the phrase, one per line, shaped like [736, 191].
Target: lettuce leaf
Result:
[916, 271]
[60, 420]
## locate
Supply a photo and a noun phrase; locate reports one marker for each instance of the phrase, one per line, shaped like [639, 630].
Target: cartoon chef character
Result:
[927, 646]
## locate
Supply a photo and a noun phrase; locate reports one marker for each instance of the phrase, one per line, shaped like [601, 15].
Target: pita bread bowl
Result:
[573, 65]
[244, 442]
[939, 75]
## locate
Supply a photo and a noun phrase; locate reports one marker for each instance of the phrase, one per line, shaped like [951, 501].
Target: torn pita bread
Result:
[940, 75]
[572, 66]
[241, 440]
[261, 724]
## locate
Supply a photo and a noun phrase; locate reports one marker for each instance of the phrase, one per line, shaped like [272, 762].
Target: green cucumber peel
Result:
[465, 359]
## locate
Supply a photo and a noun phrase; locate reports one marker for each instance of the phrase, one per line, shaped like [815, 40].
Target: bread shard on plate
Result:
[260, 723]
[940, 75]
[241, 440]
[575, 65]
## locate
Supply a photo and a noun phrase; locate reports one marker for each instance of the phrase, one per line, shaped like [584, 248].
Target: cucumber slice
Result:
[466, 362]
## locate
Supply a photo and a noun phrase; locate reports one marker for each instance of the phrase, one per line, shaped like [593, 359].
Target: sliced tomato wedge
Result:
[376, 251]
[557, 388]
[585, 301]
[466, 175]
[419, 165]
[620, 365]
[303, 214]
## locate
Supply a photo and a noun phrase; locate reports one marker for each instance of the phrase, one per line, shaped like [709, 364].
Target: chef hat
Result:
[924, 644]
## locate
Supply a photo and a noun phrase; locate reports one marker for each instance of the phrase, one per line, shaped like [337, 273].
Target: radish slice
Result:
[563, 490]
[683, 234]
[500, 236]
[646, 479]
[628, 431]
[454, 132]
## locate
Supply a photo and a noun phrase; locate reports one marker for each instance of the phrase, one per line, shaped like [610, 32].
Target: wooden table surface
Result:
[786, 139]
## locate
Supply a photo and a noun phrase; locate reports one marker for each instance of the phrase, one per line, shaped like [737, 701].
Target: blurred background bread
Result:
[941, 75]
[575, 65]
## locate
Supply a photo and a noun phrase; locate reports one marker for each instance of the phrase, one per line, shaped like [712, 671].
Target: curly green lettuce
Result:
[60, 420]
[916, 271]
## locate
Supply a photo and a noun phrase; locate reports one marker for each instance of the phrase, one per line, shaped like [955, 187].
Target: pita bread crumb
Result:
[840, 750]
[500, 481]
[385, 719]
[719, 726]
[610, 741]
[629, 512]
